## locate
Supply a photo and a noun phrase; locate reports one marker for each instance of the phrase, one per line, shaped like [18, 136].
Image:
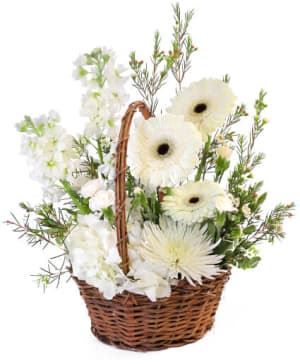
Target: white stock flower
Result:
[180, 251]
[105, 95]
[206, 103]
[49, 150]
[92, 247]
[163, 151]
[194, 201]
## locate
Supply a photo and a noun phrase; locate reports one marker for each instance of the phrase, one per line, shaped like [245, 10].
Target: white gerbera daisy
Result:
[195, 201]
[206, 103]
[163, 151]
[182, 251]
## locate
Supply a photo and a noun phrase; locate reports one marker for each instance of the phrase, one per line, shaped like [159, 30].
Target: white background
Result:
[257, 43]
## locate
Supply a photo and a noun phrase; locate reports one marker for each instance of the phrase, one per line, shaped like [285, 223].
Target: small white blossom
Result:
[246, 210]
[137, 190]
[90, 188]
[77, 182]
[224, 151]
[102, 199]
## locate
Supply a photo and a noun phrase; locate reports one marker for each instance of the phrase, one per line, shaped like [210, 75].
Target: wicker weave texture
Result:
[131, 321]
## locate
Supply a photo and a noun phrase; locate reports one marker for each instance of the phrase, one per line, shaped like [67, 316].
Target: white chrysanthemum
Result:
[195, 201]
[94, 256]
[163, 151]
[206, 103]
[180, 250]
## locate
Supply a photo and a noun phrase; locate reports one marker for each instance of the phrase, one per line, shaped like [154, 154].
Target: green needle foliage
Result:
[149, 79]
[240, 232]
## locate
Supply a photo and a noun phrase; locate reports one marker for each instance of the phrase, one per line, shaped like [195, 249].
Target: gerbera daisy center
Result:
[199, 108]
[194, 200]
[163, 149]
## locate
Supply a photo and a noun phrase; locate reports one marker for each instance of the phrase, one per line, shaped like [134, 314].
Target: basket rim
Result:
[180, 284]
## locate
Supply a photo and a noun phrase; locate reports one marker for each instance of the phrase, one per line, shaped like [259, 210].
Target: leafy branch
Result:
[147, 82]
[248, 160]
[208, 153]
[50, 225]
[52, 274]
[182, 45]
[149, 79]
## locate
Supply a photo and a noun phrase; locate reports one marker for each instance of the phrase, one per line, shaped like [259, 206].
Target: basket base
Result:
[143, 347]
[131, 321]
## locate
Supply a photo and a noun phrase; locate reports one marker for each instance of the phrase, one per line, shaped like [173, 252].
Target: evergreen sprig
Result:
[148, 80]
[52, 274]
[182, 45]
[209, 163]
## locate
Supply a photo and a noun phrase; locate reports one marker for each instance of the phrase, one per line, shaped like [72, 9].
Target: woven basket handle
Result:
[120, 196]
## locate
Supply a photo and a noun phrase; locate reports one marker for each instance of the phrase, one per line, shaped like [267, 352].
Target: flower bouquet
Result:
[149, 220]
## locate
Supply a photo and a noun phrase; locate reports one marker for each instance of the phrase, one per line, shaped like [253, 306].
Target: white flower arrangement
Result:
[191, 212]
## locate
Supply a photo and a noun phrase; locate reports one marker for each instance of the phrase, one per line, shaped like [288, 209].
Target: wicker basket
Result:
[132, 321]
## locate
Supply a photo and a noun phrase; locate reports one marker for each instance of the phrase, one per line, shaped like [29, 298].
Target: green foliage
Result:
[148, 79]
[222, 165]
[182, 45]
[147, 82]
[248, 159]
[52, 274]
[209, 163]
[148, 206]
[131, 183]
[44, 226]
[109, 215]
[82, 204]
[240, 232]
[50, 225]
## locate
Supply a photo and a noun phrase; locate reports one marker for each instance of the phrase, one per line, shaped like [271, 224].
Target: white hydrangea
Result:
[49, 150]
[148, 282]
[93, 252]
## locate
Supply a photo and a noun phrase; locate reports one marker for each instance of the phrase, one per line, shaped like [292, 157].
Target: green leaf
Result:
[261, 199]
[80, 202]
[211, 229]
[236, 232]
[223, 247]
[220, 219]
[109, 214]
[249, 229]
[248, 263]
